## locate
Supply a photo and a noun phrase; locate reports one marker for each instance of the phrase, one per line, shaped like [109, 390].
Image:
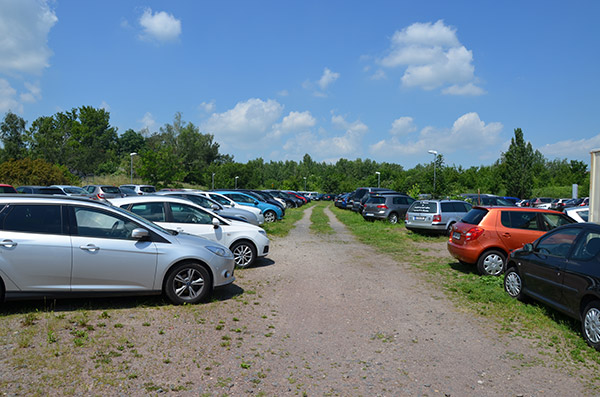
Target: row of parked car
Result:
[107, 240]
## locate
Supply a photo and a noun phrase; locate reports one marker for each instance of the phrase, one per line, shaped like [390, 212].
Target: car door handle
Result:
[8, 244]
[89, 247]
[506, 235]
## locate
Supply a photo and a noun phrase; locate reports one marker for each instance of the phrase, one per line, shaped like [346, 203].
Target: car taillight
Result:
[100, 196]
[473, 233]
[383, 206]
[406, 217]
[437, 218]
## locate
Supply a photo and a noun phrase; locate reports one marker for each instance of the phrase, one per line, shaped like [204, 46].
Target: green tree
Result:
[518, 166]
[28, 171]
[130, 142]
[13, 135]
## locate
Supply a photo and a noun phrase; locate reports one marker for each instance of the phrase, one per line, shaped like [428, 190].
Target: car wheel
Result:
[590, 324]
[270, 216]
[513, 285]
[393, 218]
[188, 282]
[491, 263]
[244, 254]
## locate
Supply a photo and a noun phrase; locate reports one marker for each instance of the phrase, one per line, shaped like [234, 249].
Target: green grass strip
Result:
[319, 221]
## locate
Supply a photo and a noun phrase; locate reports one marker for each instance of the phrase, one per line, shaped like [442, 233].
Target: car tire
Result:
[513, 284]
[188, 282]
[270, 216]
[393, 218]
[590, 324]
[491, 263]
[244, 253]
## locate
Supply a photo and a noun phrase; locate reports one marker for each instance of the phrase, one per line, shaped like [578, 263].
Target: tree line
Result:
[71, 145]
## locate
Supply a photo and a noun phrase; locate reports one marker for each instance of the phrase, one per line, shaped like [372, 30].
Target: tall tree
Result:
[13, 135]
[517, 166]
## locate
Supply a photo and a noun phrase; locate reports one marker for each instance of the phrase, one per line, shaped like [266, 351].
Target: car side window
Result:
[154, 212]
[447, 207]
[519, 220]
[558, 244]
[187, 214]
[45, 219]
[95, 223]
[551, 221]
[588, 246]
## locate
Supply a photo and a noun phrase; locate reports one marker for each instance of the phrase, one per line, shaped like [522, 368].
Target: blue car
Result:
[270, 211]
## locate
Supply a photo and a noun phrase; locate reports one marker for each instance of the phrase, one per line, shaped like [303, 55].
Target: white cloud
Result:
[33, 94]
[159, 26]
[207, 107]
[7, 98]
[403, 126]
[147, 121]
[293, 122]
[327, 78]
[469, 134]
[245, 124]
[570, 148]
[24, 28]
[433, 58]
[283, 93]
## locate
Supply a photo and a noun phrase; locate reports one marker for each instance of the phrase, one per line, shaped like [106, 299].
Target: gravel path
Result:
[349, 321]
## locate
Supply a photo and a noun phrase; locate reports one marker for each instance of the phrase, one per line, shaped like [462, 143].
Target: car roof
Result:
[515, 209]
[41, 198]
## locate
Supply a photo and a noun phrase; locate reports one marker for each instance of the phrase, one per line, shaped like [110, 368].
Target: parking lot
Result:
[323, 315]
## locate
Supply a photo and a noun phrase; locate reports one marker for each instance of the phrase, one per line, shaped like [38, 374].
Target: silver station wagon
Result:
[61, 246]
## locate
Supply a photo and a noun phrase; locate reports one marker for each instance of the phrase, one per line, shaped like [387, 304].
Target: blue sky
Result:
[385, 80]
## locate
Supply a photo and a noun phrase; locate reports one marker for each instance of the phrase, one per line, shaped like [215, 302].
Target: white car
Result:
[227, 202]
[580, 214]
[246, 241]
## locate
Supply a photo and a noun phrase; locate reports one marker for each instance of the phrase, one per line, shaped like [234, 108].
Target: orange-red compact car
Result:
[485, 236]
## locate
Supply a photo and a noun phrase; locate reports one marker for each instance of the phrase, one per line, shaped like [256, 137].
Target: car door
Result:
[544, 267]
[35, 248]
[105, 256]
[195, 221]
[517, 228]
[582, 270]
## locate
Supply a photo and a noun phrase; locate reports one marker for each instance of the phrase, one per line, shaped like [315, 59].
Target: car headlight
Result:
[224, 252]
[263, 232]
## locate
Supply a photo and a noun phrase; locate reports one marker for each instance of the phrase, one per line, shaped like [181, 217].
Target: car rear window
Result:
[111, 189]
[424, 207]
[147, 189]
[7, 189]
[475, 216]
[376, 200]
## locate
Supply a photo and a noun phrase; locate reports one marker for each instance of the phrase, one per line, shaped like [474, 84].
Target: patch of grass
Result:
[282, 228]
[319, 221]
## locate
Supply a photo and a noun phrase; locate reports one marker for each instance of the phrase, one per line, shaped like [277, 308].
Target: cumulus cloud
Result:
[207, 107]
[294, 122]
[571, 148]
[468, 134]
[327, 78]
[403, 126]
[7, 98]
[159, 26]
[24, 28]
[433, 58]
[245, 124]
[33, 94]
[147, 121]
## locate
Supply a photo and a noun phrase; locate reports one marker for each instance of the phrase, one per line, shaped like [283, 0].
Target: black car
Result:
[562, 270]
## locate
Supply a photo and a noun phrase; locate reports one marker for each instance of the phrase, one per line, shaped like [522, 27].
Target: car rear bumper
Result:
[465, 253]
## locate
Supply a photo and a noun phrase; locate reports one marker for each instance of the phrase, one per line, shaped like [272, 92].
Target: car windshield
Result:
[144, 221]
[425, 207]
[474, 216]
[74, 190]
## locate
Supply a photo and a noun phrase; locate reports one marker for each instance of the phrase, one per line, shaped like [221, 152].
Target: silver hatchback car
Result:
[56, 247]
[435, 215]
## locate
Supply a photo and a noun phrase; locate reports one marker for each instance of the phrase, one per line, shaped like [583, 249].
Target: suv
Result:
[486, 235]
[387, 206]
[435, 215]
[63, 246]
[360, 192]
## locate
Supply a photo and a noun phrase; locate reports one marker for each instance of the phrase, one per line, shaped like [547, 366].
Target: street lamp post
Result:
[131, 165]
[213, 181]
[378, 178]
[305, 184]
[435, 154]
[236, 178]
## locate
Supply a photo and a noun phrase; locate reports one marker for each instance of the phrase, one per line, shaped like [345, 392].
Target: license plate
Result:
[456, 236]
[419, 218]
[368, 214]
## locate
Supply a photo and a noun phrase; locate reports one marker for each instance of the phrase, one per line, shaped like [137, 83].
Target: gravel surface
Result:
[324, 315]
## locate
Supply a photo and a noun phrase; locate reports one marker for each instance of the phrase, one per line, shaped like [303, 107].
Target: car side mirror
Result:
[215, 207]
[139, 234]
[528, 248]
[255, 202]
[215, 223]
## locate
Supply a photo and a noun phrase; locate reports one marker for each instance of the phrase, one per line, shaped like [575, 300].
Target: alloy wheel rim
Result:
[188, 283]
[242, 255]
[592, 325]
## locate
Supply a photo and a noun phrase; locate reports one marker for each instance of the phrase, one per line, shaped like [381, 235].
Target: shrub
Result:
[28, 171]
